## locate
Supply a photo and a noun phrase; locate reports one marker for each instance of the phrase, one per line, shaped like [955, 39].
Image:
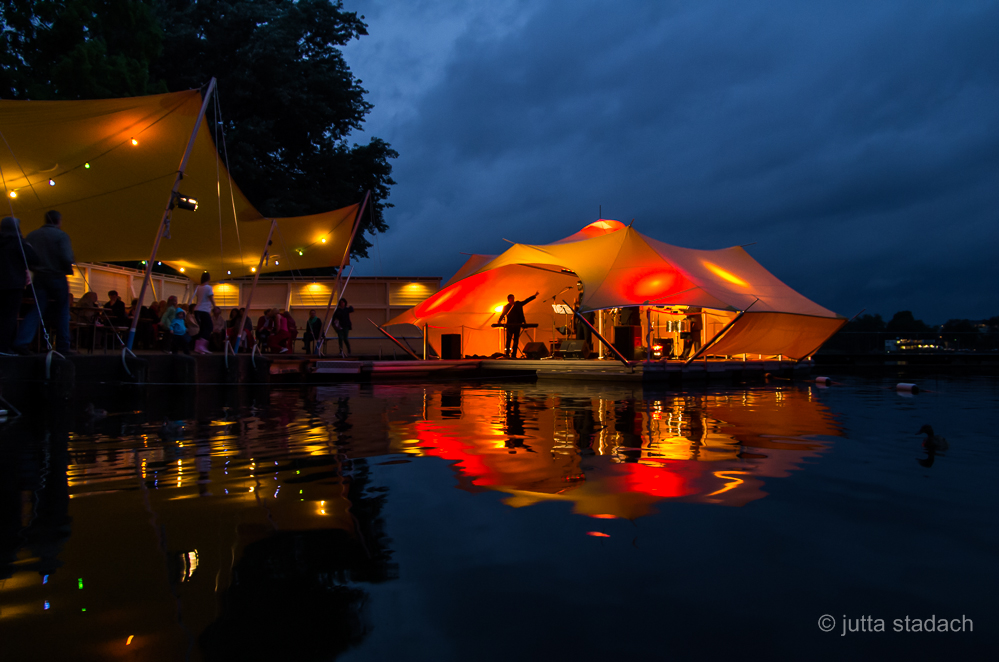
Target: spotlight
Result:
[186, 203]
[51, 182]
[134, 142]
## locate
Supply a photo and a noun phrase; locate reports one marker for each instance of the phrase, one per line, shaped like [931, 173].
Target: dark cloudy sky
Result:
[857, 143]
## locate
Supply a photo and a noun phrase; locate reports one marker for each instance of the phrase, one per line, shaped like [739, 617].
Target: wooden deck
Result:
[323, 369]
[43, 379]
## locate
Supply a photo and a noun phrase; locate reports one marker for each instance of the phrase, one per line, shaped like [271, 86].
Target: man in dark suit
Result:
[513, 313]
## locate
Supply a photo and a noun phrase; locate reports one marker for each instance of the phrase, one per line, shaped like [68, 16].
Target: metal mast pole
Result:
[165, 220]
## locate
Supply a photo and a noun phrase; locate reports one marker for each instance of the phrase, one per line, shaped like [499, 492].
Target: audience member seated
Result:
[292, 331]
[279, 337]
[115, 309]
[217, 339]
[178, 332]
[265, 327]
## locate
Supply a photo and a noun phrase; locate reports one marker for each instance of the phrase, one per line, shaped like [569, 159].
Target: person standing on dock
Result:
[341, 322]
[513, 313]
[15, 259]
[313, 332]
[55, 262]
[203, 313]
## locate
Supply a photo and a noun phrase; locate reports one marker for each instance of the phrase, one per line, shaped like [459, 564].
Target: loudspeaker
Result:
[626, 339]
[450, 346]
[535, 350]
[574, 349]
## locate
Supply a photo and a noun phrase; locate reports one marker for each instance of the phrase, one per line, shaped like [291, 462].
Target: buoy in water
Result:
[907, 388]
[823, 381]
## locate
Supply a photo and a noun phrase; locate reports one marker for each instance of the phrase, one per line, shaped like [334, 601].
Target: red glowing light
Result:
[655, 283]
[597, 534]
[604, 516]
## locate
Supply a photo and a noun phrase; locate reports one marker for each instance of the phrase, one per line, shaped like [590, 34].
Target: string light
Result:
[51, 182]
[276, 263]
[228, 273]
[87, 166]
[182, 270]
[253, 269]
[13, 194]
[323, 240]
[134, 142]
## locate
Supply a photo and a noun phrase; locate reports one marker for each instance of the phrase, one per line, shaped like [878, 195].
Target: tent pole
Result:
[165, 220]
[719, 335]
[612, 348]
[256, 276]
[335, 294]
[388, 335]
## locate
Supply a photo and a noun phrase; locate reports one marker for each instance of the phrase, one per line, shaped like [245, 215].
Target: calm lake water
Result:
[487, 521]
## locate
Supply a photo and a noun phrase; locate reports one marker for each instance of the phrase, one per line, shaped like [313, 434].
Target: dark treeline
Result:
[289, 101]
[964, 334]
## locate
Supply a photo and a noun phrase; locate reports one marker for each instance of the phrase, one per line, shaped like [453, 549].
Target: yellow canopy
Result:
[109, 165]
[618, 267]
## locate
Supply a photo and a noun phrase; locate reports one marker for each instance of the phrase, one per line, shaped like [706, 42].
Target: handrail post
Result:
[256, 277]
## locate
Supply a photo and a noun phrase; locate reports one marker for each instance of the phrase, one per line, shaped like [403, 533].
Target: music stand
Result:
[561, 309]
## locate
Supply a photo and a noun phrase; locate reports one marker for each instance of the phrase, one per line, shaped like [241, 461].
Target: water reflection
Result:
[618, 453]
[229, 524]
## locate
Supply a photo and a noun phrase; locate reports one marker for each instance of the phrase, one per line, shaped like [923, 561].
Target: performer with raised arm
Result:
[513, 313]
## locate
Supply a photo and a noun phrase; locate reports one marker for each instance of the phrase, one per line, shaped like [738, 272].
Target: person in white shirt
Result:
[203, 312]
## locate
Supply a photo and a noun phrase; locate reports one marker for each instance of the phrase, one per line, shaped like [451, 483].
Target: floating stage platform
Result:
[50, 378]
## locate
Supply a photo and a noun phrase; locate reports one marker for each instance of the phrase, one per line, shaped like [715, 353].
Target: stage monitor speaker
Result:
[574, 349]
[450, 346]
[535, 350]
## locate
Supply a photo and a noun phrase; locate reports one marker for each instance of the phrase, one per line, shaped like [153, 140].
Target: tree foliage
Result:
[903, 321]
[288, 100]
[865, 323]
[78, 49]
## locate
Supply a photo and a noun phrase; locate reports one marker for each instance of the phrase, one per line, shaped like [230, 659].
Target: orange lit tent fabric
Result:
[619, 266]
[112, 192]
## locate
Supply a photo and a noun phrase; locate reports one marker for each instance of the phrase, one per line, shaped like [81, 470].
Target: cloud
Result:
[854, 142]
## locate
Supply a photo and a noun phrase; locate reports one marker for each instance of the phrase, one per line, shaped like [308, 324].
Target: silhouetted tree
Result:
[904, 322]
[289, 101]
[865, 323]
[78, 49]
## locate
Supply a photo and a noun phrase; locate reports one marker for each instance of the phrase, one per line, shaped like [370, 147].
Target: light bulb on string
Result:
[51, 182]
[12, 194]
[87, 166]
[134, 142]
